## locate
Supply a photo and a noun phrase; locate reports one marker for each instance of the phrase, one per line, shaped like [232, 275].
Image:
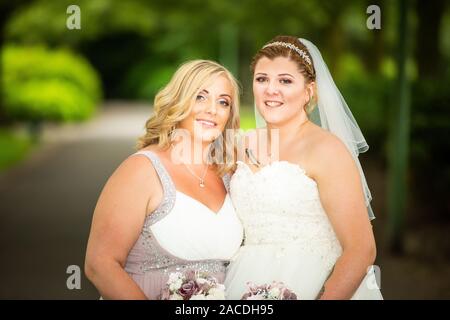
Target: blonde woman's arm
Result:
[116, 225]
[342, 197]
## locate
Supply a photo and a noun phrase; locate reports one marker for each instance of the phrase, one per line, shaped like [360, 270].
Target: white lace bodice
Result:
[288, 236]
[280, 205]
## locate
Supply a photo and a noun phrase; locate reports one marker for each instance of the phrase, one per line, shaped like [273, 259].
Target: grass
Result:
[13, 148]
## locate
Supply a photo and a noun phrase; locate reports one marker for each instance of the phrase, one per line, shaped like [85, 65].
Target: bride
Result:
[303, 199]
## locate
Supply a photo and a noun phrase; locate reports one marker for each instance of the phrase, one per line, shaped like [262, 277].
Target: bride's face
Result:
[279, 90]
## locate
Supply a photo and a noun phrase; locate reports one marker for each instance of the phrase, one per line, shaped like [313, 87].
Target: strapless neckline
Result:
[297, 167]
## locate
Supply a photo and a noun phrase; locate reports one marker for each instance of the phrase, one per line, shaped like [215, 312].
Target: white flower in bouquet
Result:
[175, 296]
[216, 294]
[192, 285]
[202, 281]
[256, 297]
[221, 286]
[174, 286]
[175, 276]
[274, 291]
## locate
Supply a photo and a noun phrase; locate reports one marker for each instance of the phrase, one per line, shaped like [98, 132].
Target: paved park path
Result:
[47, 201]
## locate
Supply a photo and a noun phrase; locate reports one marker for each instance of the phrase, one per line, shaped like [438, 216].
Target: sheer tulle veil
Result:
[333, 114]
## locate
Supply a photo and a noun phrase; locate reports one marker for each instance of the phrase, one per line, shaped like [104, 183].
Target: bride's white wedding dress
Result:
[288, 236]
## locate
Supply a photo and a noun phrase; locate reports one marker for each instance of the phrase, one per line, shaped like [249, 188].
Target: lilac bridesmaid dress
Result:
[181, 234]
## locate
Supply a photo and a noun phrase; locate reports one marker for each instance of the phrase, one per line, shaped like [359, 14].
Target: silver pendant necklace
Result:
[201, 179]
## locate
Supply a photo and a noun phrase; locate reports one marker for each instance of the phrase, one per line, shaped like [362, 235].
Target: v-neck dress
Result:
[182, 234]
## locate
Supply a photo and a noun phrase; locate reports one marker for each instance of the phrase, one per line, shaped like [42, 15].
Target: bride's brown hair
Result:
[305, 68]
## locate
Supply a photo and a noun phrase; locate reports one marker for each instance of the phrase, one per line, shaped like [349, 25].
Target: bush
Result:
[50, 100]
[13, 148]
[48, 85]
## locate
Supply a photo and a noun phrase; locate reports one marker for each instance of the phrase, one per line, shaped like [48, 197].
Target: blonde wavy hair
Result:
[174, 102]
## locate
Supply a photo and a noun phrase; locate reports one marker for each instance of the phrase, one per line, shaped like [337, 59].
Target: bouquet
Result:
[192, 285]
[274, 291]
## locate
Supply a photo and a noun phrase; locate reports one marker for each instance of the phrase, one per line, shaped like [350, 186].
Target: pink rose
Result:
[188, 289]
[246, 296]
[204, 287]
[253, 288]
[286, 294]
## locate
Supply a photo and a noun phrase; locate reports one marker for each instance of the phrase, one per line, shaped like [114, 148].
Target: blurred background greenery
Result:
[396, 79]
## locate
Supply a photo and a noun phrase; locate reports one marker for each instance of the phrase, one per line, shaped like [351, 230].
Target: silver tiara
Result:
[292, 47]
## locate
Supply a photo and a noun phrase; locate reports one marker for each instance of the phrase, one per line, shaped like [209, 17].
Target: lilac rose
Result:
[286, 294]
[188, 289]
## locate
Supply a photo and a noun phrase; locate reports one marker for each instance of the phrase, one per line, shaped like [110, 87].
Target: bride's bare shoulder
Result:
[326, 148]
[322, 140]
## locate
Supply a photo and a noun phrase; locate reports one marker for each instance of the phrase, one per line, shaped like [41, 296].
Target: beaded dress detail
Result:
[288, 236]
[181, 234]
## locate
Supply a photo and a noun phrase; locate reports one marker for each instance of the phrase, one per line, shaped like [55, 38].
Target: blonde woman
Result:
[166, 207]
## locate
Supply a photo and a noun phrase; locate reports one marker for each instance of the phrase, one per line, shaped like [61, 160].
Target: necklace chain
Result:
[201, 179]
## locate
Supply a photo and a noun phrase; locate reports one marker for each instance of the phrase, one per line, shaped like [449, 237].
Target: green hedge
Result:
[48, 85]
[13, 148]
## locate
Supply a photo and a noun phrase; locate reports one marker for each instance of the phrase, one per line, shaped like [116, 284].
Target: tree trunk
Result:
[399, 142]
[335, 43]
[428, 55]
[375, 51]
[229, 47]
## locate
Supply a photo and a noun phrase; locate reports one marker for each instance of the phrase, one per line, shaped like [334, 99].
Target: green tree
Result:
[47, 85]
[7, 8]
[428, 53]
[400, 138]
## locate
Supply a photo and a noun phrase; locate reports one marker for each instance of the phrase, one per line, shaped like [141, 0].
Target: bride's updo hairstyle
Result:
[291, 48]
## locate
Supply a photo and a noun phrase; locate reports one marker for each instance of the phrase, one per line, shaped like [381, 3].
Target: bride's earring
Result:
[308, 105]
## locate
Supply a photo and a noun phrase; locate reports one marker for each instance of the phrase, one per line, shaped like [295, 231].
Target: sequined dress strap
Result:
[169, 191]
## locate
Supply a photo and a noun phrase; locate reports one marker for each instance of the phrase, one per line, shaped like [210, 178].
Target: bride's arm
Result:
[342, 197]
[116, 225]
